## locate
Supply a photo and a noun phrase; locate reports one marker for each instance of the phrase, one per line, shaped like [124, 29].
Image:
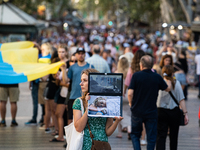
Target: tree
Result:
[176, 10]
[31, 6]
[141, 10]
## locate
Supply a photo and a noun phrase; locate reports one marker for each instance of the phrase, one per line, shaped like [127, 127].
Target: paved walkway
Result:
[32, 138]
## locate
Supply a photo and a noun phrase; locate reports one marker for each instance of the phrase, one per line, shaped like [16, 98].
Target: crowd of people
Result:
[151, 67]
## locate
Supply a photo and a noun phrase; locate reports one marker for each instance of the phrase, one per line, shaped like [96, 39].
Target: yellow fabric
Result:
[20, 55]
[44, 60]
[36, 70]
[24, 59]
[192, 48]
[17, 45]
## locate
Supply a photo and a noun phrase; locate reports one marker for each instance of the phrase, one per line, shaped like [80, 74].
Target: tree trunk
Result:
[164, 12]
[167, 12]
[171, 11]
[185, 11]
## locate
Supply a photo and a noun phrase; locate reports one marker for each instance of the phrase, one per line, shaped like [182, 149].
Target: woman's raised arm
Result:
[110, 126]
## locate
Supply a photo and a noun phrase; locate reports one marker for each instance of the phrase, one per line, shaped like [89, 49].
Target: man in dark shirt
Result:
[142, 97]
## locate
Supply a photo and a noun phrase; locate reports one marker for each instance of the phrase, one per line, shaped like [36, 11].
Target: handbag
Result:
[64, 91]
[74, 139]
[98, 145]
[182, 115]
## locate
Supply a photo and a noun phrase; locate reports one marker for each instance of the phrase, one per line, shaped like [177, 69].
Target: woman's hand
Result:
[63, 67]
[118, 119]
[186, 119]
[87, 97]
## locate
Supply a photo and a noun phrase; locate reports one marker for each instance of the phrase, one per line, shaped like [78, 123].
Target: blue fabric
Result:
[146, 85]
[136, 130]
[6, 69]
[1, 59]
[74, 74]
[199, 84]
[40, 55]
[0, 46]
[47, 56]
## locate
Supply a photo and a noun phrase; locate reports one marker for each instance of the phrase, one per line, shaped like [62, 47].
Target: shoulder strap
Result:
[175, 100]
[91, 135]
[82, 108]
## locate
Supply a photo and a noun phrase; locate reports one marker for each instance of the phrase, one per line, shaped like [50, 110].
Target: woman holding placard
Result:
[101, 128]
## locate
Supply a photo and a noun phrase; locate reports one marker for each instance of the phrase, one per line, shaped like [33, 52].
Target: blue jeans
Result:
[34, 93]
[136, 130]
[199, 83]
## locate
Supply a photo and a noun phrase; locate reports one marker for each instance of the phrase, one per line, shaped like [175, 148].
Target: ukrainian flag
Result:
[19, 63]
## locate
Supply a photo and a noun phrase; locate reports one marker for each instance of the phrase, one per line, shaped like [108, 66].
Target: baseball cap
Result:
[80, 49]
[126, 45]
[106, 50]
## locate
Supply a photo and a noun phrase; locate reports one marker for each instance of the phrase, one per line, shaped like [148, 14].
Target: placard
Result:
[106, 94]
[110, 84]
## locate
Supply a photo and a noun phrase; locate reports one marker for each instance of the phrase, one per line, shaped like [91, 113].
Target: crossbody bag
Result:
[182, 115]
[98, 145]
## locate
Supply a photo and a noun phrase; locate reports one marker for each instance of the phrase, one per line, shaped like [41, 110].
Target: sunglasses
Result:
[75, 61]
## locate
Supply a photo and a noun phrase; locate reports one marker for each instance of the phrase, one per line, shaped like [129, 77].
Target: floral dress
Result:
[97, 126]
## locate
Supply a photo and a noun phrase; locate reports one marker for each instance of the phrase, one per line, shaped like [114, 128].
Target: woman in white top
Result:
[168, 111]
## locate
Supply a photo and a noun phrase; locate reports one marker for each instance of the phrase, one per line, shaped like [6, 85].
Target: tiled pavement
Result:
[32, 138]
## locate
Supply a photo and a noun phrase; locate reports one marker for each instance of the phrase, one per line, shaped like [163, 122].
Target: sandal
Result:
[124, 129]
[54, 133]
[55, 140]
[119, 136]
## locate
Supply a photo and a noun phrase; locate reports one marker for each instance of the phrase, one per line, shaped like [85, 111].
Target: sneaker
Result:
[143, 142]
[41, 121]
[3, 123]
[47, 130]
[31, 122]
[42, 126]
[14, 123]
[56, 136]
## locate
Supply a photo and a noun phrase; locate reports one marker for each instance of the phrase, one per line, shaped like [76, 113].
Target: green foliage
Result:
[30, 6]
[139, 8]
[134, 9]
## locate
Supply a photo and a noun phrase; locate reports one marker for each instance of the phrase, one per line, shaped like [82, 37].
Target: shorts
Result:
[11, 92]
[52, 91]
[181, 78]
[42, 86]
[70, 110]
[61, 100]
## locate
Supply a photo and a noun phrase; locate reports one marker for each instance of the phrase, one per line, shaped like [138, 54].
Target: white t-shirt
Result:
[166, 101]
[197, 60]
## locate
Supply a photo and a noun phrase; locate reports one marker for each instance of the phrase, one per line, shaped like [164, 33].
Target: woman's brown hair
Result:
[167, 72]
[135, 67]
[87, 71]
[164, 57]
